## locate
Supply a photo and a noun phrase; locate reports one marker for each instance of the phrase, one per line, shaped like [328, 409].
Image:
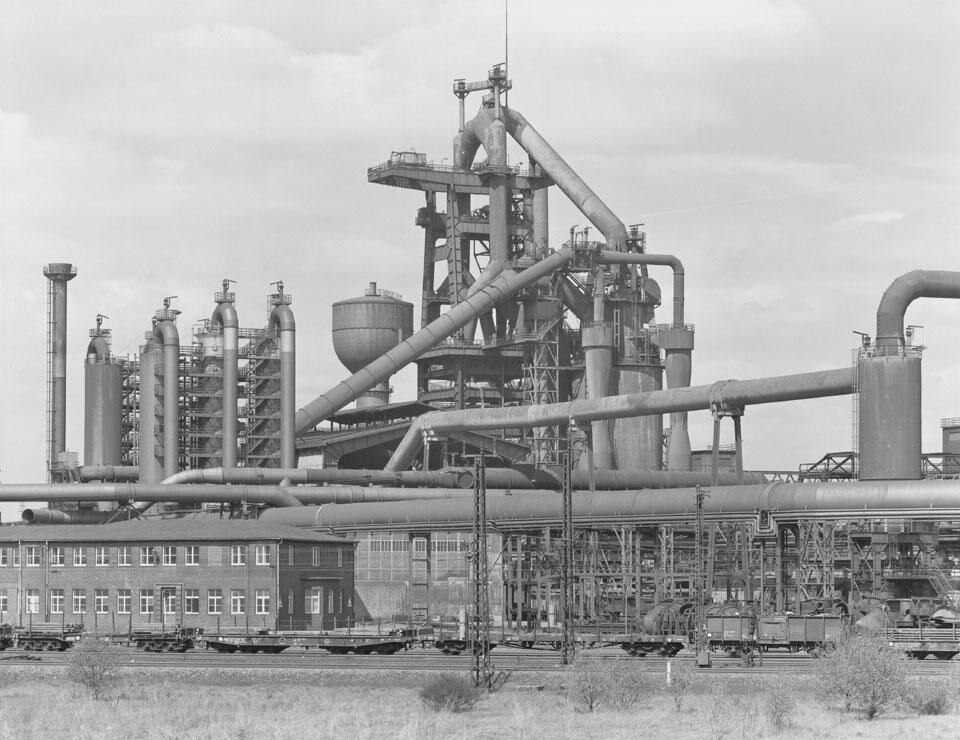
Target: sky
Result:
[796, 156]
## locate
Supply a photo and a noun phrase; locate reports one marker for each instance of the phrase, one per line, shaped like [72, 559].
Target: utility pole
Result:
[567, 637]
[702, 649]
[482, 670]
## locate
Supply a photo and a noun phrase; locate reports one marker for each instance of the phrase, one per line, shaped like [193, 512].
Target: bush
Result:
[627, 683]
[588, 683]
[866, 673]
[928, 700]
[94, 663]
[449, 692]
[681, 679]
[779, 705]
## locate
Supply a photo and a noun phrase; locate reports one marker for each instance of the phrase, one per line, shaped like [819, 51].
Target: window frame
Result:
[238, 555]
[31, 601]
[262, 600]
[238, 601]
[148, 556]
[191, 555]
[57, 600]
[124, 595]
[191, 598]
[79, 561]
[79, 601]
[101, 601]
[262, 554]
[147, 599]
[32, 557]
[101, 557]
[214, 601]
[123, 557]
[55, 556]
[168, 554]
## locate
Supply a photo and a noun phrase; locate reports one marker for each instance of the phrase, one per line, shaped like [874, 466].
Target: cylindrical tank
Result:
[365, 328]
[890, 438]
[638, 441]
[151, 360]
[102, 405]
[598, 369]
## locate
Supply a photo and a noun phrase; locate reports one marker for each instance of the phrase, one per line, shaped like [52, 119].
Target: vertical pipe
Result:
[59, 274]
[150, 468]
[281, 318]
[225, 317]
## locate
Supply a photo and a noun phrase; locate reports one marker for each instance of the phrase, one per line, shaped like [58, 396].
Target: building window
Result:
[192, 556]
[329, 601]
[169, 555]
[79, 601]
[123, 556]
[31, 556]
[102, 556]
[316, 556]
[214, 601]
[169, 601]
[4, 557]
[146, 601]
[148, 556]
[101, 600]
[238, 555]
[263, 601]
[312, 598]
[15, 557]
[56, 556]
[191, 601]
[32, 598]
[123, 601]
[339, 557]
[4, 604]
[263, 554]
[290, 555]
[56, 601]
[238, 601]
[79, 556]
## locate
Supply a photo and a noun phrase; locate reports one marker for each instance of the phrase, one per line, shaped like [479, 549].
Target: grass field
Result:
[40, 702]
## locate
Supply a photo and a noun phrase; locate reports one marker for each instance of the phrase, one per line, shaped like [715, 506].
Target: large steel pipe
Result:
[281, 321]
[259, 476]
[677, 344]
[127, 473]
[900, 294]
[722, 394]
[428, 337]
[569, 182]
[166, 333]
[152, 493]
[939, 499]
[225, 319]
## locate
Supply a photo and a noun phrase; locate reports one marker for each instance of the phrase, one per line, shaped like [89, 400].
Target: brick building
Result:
[206, 572]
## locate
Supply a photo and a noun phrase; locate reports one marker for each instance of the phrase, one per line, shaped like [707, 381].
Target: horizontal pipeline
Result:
[931, 499]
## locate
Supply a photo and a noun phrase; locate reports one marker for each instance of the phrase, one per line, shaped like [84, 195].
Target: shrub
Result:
[588, 683]
[94, 664]
[627, 683]
[866, 673]
[779, 705]
[928, 699]
[449, 692]
[681, 679]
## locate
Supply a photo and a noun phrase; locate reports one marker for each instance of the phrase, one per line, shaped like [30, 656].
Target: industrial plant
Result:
[543, 480]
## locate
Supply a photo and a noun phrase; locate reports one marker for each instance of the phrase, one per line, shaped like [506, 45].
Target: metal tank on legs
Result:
[367, 327]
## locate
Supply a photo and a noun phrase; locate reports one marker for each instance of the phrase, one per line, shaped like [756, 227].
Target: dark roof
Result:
[388, 412]
[166, 530]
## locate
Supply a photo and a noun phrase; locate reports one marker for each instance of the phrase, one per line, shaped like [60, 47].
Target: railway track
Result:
[419, 659]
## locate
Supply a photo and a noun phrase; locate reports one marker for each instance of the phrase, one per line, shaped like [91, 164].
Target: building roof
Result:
[165, 530]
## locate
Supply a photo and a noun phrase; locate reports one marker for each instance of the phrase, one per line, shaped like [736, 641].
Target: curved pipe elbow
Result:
[638, 258]
[901, 293]
[225, 316]
[98, 350]
[166, 332]
[281, 318]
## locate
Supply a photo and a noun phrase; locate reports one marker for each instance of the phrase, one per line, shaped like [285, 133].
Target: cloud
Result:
[879, 217]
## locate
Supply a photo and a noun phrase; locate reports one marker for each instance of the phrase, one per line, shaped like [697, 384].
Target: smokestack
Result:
[59, 274]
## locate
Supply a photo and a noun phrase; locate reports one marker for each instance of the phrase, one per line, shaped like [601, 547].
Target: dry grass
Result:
[40, 703]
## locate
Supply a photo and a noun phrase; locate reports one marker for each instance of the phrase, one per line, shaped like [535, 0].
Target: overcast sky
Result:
[796, 156]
